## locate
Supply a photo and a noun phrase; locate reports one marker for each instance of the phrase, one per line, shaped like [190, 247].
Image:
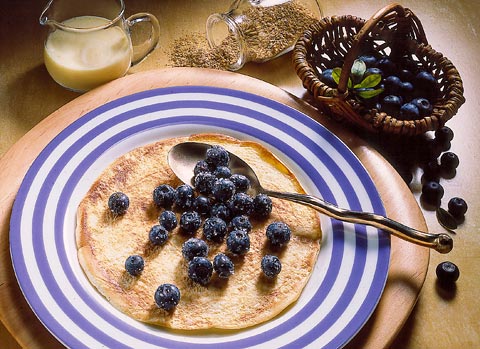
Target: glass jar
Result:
[259, 30]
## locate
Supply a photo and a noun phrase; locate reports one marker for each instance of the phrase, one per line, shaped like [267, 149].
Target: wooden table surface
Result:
[440, 319]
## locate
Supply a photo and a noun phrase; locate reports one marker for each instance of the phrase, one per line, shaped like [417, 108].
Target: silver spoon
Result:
[183, 157]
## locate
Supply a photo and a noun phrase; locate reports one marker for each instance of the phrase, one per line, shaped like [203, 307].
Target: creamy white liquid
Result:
[82, 61]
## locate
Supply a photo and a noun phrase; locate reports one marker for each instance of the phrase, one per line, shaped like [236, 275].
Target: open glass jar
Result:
[259, 30]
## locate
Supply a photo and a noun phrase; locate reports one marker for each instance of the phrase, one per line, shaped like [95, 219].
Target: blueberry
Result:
[425, 82]
[278, 233]
[423, 105]
[238, 242]
[457, 207]
[406, 75]
[373, 70]
[200, 270]
[327, 79]
[409, 111]
[223, 266]
[369, 60]
[204, 182]
[201, 166]
[431, 171]
[223, 189]
[444, 134]
[241, 204]
[222, 172]
[447, 272]
[168, 220]
[241, 182]
[449, 161]
[262, 205]
[190, 221]
[202, 204]
[407, 63]
[185, 195]
[240, 223]
[164, 196]
[167, 296]
[406, 89]
[432, 192]
[271, 266]
[214, 229]
[194, 247]
[118, 203]
[158, 235]
[217, 156]
[431, 149]
[221, 210]
[393, 84]
[391, 104]
[386, 65]
[134, 265]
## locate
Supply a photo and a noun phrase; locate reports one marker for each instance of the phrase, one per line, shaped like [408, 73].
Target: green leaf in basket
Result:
[370, 81]
[336, 74]
[336, 77]
[358, 70]
[368, 92]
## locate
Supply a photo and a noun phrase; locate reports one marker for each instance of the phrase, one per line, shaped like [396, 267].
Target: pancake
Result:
[247, 298]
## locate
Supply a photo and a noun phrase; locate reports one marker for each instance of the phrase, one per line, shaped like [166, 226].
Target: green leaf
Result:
[370, 81]
[336, 77]
[446, 219]
[336, 74]
[368, 93]
[349, 83]
[358, 70]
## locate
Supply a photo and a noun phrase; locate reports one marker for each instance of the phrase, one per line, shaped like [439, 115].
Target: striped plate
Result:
[348, 278]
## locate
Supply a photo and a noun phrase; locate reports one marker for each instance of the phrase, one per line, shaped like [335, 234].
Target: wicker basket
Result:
[393, 31]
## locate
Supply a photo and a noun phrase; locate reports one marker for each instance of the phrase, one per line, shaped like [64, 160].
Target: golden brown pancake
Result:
[247, 298]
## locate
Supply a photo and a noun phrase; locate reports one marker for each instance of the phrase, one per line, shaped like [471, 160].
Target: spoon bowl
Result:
[183, 157]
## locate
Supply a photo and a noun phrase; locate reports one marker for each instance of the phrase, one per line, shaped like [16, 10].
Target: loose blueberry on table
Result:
[447, 272]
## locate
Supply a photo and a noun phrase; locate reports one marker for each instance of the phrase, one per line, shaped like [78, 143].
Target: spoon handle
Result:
[442, 243]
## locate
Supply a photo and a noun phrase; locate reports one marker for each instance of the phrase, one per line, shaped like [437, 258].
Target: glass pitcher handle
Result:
[144, 49]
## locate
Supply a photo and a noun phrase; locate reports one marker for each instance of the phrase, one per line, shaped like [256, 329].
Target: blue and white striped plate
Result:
[348, 278]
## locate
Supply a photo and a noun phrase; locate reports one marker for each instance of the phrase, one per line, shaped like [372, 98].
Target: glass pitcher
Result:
[259, 30]
[89, 41]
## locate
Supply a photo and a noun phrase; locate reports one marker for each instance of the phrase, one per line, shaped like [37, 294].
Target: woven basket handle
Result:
[404, 17]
